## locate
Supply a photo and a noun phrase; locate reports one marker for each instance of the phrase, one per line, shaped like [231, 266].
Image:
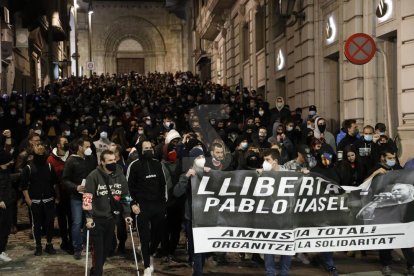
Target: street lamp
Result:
[76, 54]
[90, 12]
[286, 10]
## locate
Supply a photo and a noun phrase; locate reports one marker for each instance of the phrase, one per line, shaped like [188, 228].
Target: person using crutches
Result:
[106, 197]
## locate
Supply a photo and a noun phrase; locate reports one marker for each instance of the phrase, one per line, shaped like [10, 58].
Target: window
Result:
[246, 42]
[278, 22]
[260, 27]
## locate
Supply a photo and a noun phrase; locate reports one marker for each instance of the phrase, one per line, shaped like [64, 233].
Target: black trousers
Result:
[64, 216]
[173, 227]
[101, 236]
[4, 228]
[386, 257]
[121, 232]
[151, 224]
[43, 215]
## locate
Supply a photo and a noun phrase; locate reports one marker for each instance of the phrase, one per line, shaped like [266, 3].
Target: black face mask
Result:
[111, 167]
[148, 154]
[322, 128]
[65, 147]
[39, 159]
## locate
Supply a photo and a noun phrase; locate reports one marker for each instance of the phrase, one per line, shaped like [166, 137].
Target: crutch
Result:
[133, 245]
[87, 248]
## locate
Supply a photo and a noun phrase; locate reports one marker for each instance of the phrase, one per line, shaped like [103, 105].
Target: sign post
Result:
[360, 48]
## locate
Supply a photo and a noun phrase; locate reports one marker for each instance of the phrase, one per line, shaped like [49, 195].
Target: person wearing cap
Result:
[303, 162]
[6, 201]
[103, 143]
[312, 111]
[381, 135]
[183, 187]
[147, 185]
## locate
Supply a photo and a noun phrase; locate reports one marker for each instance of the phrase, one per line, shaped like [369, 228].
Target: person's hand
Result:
[2, 205]
[135, 209]
[89, 223]
[283, 136]
[207, 169]
[305, 171]
[190, 172]
[80, 188]
[381, 171]
[128, 220]
[259, 171]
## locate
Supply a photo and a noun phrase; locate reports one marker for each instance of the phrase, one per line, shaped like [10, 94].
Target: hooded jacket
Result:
[96, 184]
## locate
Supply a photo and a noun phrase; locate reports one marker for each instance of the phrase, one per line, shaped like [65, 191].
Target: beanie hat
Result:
[196, 152]
[171, 135]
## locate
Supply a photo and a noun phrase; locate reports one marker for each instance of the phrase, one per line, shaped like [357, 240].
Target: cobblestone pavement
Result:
[21, 249]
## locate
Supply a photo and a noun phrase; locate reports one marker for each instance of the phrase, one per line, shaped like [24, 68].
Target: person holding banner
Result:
[184, 187]
[105, 188]
[271, 163]
[401, 194]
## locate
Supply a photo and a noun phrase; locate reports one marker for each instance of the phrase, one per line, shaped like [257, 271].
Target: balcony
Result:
[217, 7]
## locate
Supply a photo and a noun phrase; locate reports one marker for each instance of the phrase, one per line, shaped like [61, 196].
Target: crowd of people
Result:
[140, 138]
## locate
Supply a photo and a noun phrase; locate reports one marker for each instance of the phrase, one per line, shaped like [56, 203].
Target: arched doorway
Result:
[129, 57]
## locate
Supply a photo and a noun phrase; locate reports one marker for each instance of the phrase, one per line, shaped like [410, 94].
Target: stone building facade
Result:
[138, 35]
[305, 62]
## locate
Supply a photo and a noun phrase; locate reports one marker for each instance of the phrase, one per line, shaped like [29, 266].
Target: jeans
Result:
[77, 223]
[270, 268]
[327, 259]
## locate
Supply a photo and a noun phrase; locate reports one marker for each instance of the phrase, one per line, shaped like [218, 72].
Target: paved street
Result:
[21, 249]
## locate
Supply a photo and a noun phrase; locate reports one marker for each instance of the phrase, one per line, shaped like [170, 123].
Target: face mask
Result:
[140, 132]
[391, 163]
[289, 128]
[309, 126]
[104, 120]
[167, 124]
[244, 145]
[368, 137]
[65, 147]
[13, 113]
[111, 167]
[104, 135]
[322, 128]
[279, 105]
[312, 113]
[148, 154]
[200, 162]
[382, 133]
[88, 152]
[261, 113]
[267, 166]
[66, 133]
[148, 122]
[76, 124]
[38, 131]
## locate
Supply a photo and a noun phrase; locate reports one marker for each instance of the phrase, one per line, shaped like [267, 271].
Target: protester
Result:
[104, 185]
[38, 183]
[6, 200]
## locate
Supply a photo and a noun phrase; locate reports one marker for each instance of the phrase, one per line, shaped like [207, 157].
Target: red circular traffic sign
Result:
[360, 48]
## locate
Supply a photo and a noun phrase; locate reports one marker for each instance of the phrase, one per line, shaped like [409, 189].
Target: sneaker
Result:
[49, 249]
[38, 251]
[303, 258]
[386, 271]
[148, 271]
[410, 271]
[77, 255]
[151, 264]
[333, 271]
[4, 257]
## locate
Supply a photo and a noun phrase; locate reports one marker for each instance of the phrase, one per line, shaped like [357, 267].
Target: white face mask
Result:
[261, 113]
[267, 167]
[67, 133]
[88, 152]
[200, 162]
[104, 135]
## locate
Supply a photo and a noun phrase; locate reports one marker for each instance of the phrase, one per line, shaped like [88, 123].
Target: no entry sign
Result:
[360, 48]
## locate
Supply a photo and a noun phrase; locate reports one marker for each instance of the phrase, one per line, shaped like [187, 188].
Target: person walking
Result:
[106, 197]
[6, 200]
